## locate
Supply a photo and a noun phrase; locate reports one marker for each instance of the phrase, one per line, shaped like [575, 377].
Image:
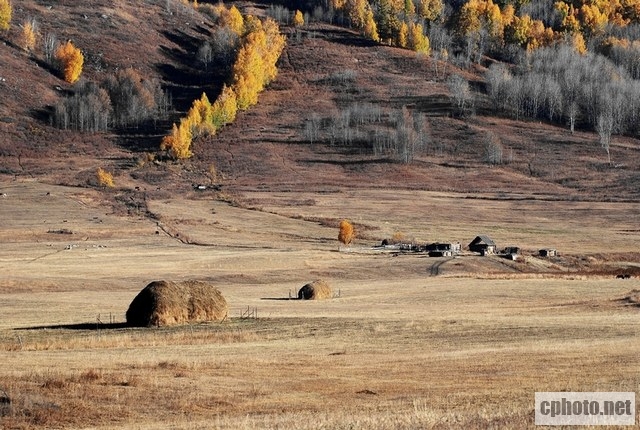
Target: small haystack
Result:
[316, 290]
[168, 303]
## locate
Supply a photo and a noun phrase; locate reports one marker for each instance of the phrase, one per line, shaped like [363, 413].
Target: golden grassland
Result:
[398, 349]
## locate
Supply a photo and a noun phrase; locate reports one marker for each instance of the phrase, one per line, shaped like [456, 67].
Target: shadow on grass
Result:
[349, 162]
[79, 326]
[279, 298]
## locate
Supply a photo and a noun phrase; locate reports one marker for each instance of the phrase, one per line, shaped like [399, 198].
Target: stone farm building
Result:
[548, 252]
[442, 249]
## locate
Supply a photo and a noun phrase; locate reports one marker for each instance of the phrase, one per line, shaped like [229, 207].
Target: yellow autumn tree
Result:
[403, 35]
[225, 108]
[248, 72]
[356, 11]
[231, 18]
[430, 9]
[298, 19]
[508, 15]
[274, 44]
[5, 14]
[578, 43]
[469, 20]
[203, 106]
[337, 4]
[199, 117]
[593, 19]
[346, 233]
[71, 61]
[28, 35]
[570, 22]
[255, 65]
[417, 40]
[370, 27]
[104, 178]
[178, 143]
[495, 23]
[409, 7]
[518, 31]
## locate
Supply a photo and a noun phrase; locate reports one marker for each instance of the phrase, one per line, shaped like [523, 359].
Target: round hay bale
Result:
[316, 290]
[163, 303]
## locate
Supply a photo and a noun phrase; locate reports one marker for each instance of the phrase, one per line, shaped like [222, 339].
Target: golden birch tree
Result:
[5, 14]
[71, 61]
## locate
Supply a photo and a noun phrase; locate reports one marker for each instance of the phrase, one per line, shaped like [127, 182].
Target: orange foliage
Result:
[346, 233]
[71, 61]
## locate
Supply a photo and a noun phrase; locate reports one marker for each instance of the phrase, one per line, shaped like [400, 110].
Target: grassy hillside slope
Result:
[267, 145]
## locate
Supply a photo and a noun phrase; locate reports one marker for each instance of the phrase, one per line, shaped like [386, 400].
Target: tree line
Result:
[260, 45]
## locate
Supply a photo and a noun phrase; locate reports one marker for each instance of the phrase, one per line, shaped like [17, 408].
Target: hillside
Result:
[324, 71]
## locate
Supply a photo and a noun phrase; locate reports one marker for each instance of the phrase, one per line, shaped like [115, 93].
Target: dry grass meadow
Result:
[409, 342]
[402, 347]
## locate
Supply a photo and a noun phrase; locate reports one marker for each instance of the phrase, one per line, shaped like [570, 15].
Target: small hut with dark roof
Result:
[483, 244]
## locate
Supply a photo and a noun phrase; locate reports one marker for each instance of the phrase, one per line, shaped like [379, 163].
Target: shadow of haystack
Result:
[632, 298]
[163, 303]
[5, 403]
[316, 290]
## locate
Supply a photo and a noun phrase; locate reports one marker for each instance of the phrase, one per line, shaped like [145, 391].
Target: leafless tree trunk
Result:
[572, 113]
[460, 92]
[497, 77]
[605, 128]
[50, 43]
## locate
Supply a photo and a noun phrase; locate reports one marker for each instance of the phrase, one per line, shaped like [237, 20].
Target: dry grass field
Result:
[408, 341]
[399, 348]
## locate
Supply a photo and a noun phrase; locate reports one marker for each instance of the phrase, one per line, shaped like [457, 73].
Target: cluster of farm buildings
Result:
[481, 244]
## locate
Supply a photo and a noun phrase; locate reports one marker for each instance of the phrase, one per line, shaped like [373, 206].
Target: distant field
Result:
[398, 349]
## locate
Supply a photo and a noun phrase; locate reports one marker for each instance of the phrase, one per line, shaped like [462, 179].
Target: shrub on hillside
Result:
[122, 100]
[5, 14]
[70, 60]
[134, 99]
[105, 179]
[28, 35]
[89, 109]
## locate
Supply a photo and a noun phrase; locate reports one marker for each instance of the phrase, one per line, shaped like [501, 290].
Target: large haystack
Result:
[167, 303]
[316, 290]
